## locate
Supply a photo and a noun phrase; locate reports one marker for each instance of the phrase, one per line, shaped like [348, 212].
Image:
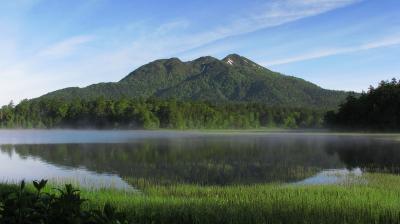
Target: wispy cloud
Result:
[385, 42]
[273, 13]
[65, 47]
[279, 12]
[172, 26]
[117, 53]
[165, 41]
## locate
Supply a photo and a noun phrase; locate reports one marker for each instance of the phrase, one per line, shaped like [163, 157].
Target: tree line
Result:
[152, 114]
[376, 109]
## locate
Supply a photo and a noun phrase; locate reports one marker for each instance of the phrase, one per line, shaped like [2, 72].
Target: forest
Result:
[153, 114]
[376, 109]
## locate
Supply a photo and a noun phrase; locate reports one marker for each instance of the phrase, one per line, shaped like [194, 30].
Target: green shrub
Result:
[21, 206]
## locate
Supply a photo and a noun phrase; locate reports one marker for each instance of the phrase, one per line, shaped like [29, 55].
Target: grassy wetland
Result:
[370, 198]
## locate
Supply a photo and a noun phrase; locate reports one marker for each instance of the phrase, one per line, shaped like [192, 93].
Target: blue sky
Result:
[338, 44]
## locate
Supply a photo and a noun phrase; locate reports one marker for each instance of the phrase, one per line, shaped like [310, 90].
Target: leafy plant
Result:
[22, 206]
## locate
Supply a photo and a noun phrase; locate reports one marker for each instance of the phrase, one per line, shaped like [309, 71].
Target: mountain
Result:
[232, 79]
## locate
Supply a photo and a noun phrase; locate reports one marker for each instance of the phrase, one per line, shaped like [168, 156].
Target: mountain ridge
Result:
[231, 79]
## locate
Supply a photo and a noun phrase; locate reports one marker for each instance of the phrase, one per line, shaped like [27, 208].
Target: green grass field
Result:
[372, 198]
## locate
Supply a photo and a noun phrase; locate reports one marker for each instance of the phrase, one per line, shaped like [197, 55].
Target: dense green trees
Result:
[234, 79]
[152, 113]
[377, 109]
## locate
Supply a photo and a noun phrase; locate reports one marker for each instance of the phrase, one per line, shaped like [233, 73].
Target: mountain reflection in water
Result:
[203, 158]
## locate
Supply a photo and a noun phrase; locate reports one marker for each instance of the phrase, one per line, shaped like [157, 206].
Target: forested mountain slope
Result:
[232, 79]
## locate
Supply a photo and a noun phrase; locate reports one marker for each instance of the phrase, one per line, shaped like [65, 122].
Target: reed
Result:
[371, 198]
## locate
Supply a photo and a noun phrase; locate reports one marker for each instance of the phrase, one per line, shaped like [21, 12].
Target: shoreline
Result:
[205, 130]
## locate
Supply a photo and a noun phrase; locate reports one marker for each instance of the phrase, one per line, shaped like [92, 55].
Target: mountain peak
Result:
[167, 60]
[233, 59]
[237, 60]
[233, 56]
[205, 59]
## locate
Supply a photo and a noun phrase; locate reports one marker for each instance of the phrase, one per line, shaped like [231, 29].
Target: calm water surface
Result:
[108, 158]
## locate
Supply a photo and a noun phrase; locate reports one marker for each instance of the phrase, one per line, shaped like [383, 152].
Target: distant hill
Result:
[232, 79]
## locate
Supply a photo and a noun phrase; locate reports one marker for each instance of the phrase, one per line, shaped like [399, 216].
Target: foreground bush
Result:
[19, 205]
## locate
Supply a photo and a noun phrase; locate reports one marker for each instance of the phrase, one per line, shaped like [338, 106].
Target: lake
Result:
[106, 158]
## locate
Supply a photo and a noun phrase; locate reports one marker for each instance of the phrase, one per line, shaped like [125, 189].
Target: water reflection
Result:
[333, 176]
[370, 154]
[204, 159]
[15, 167]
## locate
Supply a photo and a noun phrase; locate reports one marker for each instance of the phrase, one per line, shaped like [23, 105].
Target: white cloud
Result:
[119, 52]
[65, 47]
[385, 42]
[164, 42]
[273, 13]
[172, 26]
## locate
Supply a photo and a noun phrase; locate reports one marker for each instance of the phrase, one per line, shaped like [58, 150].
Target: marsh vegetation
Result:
[372, 198]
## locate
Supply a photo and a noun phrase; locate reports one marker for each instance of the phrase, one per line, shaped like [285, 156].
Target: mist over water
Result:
[107, 158]
[18, 137]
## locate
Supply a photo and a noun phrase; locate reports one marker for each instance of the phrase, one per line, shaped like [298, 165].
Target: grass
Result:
[372, 198]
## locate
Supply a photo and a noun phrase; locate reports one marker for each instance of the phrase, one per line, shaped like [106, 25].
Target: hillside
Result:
[232, 79]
